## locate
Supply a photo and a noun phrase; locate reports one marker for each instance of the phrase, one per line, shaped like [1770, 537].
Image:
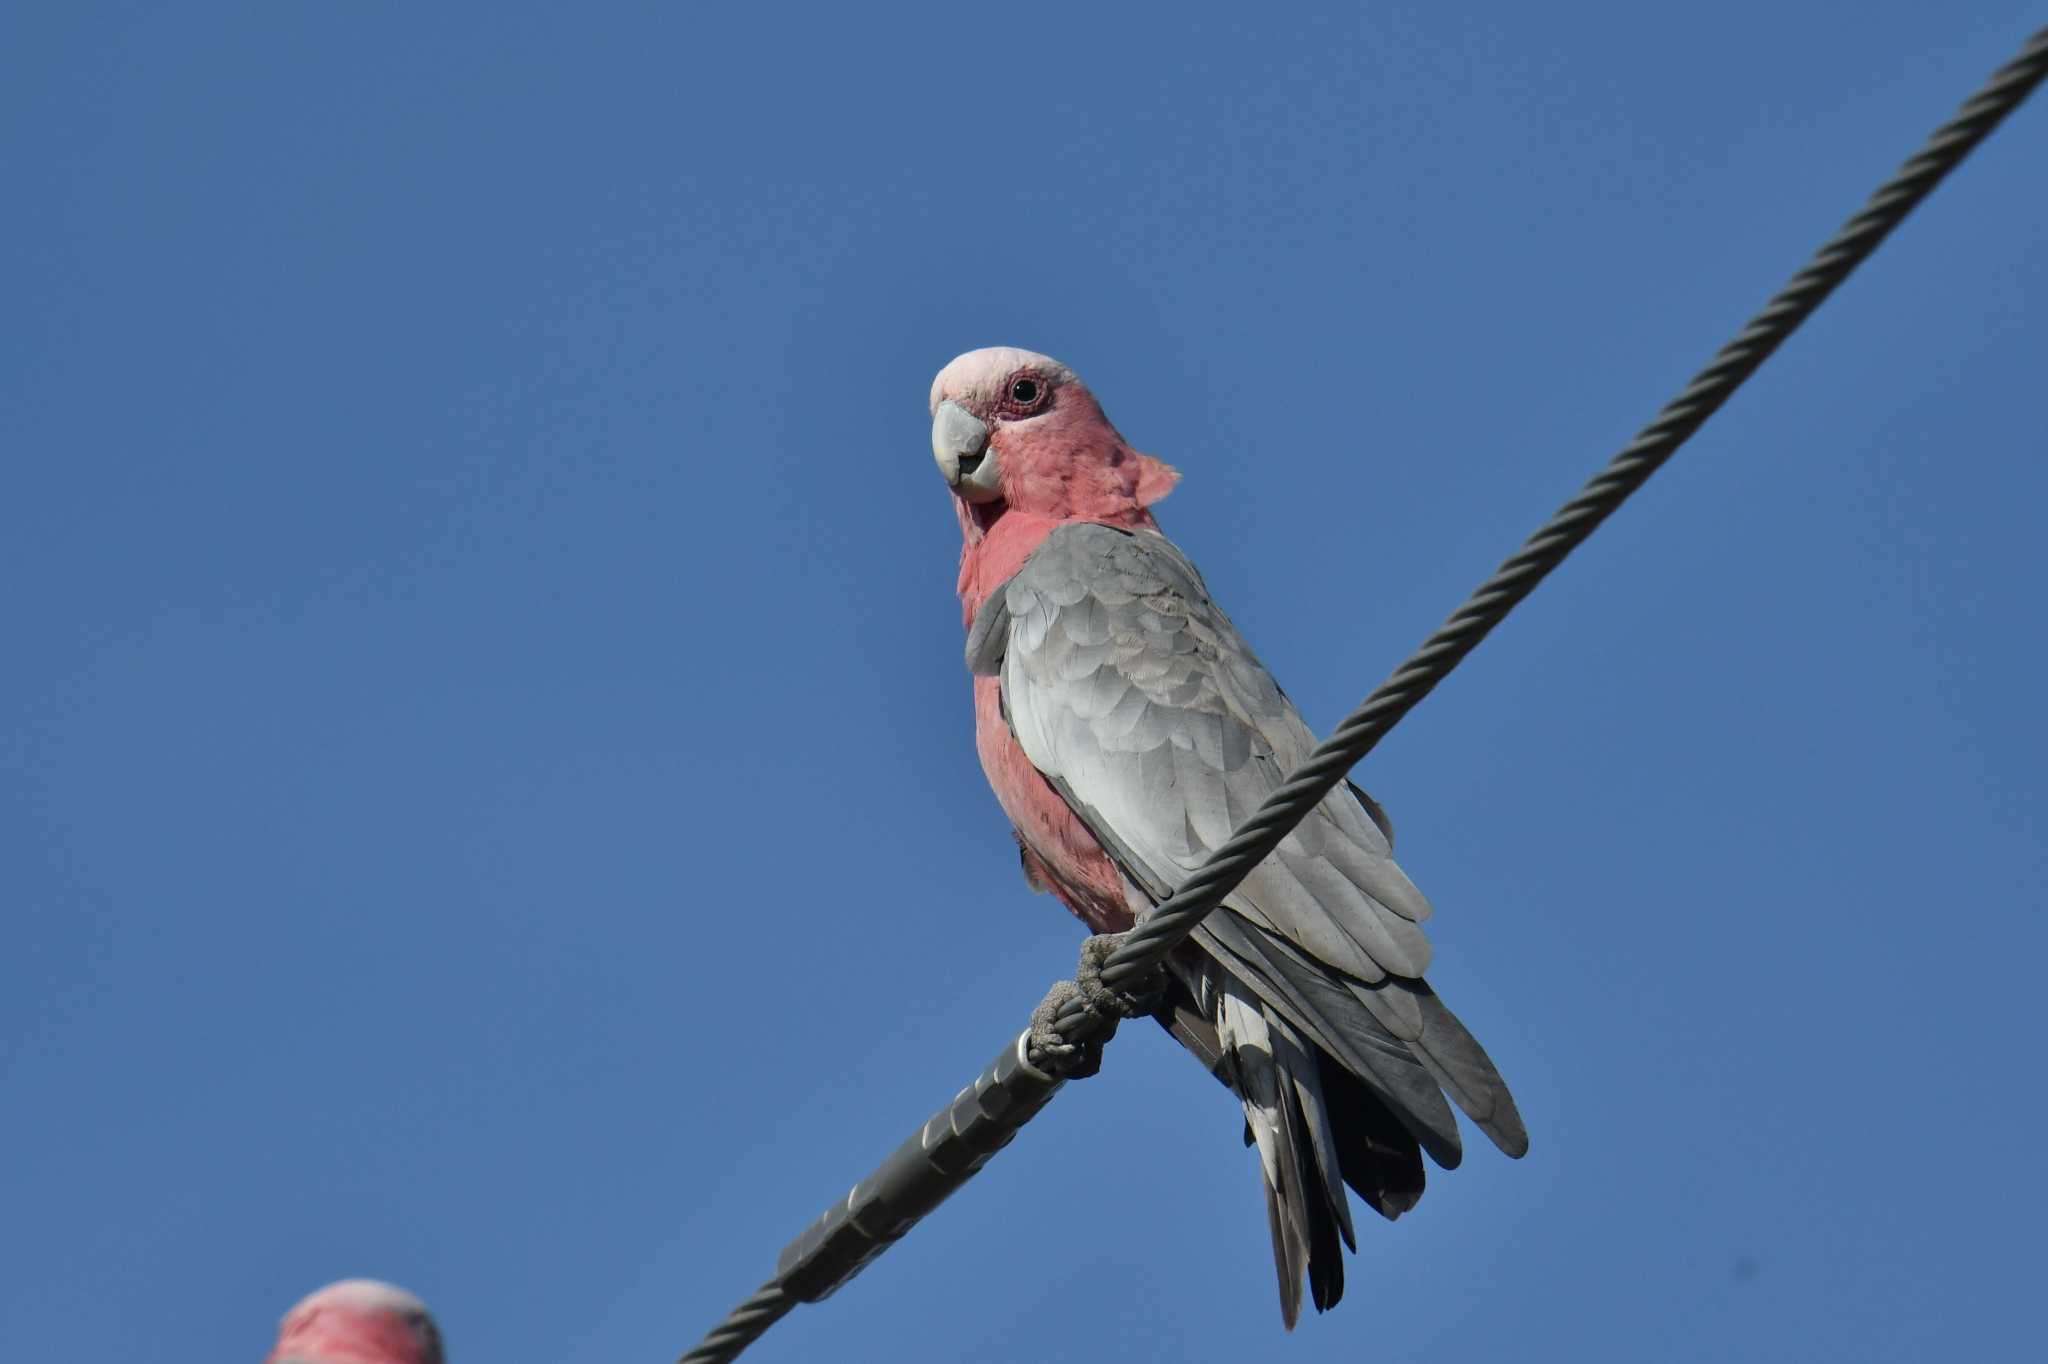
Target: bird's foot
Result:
[1076, 1017]
[1071, 1050]
[1095, 953]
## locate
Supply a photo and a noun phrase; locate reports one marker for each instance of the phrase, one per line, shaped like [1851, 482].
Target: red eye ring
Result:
[1024, 394]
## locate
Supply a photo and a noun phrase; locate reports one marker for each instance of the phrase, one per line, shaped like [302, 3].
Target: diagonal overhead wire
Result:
[956, 1141]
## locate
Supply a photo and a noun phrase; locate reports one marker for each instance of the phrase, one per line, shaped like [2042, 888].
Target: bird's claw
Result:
[1095, 952]
[1079, 1055]
[1056, 1054]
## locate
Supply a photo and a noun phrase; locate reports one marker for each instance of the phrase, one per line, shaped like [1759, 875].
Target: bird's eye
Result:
[1024, 391]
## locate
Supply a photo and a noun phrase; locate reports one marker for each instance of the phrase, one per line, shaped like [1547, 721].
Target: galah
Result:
[358, 1321]
[1127, 730]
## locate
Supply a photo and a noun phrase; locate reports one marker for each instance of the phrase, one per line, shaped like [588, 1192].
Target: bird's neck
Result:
[997, 545]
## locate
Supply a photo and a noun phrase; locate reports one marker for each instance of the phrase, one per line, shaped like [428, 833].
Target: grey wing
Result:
[1136, 697]
[1127, 685]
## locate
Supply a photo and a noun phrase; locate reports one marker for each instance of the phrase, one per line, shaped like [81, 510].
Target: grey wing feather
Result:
[1127, 685]
[1454, 1056]
[988, 636]
[1135, 696]
[1374, 811]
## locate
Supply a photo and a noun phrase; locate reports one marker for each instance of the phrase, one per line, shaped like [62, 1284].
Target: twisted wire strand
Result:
[1177, 916]
[1148, 944]
[743, 1326]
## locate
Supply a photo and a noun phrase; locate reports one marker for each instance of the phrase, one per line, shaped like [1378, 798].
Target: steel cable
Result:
[956, 1141]
[743, 1325]
[1177, 916]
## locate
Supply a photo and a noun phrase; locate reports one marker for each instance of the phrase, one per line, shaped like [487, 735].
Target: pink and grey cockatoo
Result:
[358, 1321]
[1127, 730]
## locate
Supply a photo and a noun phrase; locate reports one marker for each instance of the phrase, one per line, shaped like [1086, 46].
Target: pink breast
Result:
[1067, 857]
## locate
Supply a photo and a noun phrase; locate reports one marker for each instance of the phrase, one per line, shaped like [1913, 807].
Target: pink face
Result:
[1015, 430]
[987, 404]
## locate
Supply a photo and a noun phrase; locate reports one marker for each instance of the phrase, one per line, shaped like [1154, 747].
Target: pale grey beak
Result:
[960, 445]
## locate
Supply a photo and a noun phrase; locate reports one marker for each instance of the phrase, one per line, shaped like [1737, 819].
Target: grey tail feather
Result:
[1327, 1129]
[1288, 1254]
[1328, 1010]
[1297, 1185]
[1380, 1159]
[1316, 1190]
[1340, 1100]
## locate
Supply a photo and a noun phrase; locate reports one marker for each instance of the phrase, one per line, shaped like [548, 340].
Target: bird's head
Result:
[358, 1321]
[1015, 430]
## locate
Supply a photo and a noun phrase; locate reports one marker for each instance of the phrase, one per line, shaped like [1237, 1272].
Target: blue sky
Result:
[489, 794]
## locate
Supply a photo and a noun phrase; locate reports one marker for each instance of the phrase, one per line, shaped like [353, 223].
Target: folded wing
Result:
[1135, 696]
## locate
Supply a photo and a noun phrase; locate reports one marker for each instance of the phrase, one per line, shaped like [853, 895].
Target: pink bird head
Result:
[358, 1321]
[1015, 432]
